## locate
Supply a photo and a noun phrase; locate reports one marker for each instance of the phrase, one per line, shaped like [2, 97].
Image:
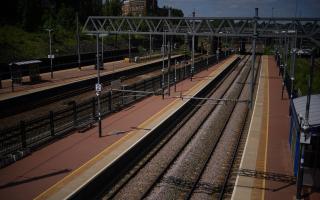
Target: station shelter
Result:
[311, 153]
[19, 69]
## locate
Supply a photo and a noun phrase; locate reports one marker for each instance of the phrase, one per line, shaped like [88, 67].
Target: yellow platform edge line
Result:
[51, 190]
[233, 196]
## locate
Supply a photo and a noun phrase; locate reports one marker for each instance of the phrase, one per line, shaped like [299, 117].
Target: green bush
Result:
[302, 72]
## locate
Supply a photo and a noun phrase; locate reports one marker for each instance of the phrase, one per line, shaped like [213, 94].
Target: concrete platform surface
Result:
[266, 168]
[34, 174]
[63, 77]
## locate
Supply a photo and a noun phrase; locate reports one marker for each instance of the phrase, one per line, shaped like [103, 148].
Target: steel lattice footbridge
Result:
[266, 27]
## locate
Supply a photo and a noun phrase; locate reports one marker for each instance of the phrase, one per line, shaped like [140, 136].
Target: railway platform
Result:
[64, 77]
[57, 169]
[266, 168]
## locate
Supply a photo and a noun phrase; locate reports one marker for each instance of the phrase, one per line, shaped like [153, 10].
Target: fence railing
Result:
[39, 131]
[286, 80]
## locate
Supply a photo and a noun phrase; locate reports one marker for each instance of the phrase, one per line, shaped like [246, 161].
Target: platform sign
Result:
[98, 87]
[51, 56]
[305, 138]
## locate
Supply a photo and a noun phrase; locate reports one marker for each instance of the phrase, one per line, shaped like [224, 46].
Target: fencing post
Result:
[23, 134]
[134, 88]
[110, 101]
[122, 95]
[74, 104]
[51, 123]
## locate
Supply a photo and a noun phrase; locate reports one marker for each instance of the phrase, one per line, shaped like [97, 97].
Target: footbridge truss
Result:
[266, 27]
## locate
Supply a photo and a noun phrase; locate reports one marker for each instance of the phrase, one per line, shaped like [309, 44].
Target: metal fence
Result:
[286, 80]
[39, 131]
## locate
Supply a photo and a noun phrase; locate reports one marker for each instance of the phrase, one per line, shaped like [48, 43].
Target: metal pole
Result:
[286, 54]
[98, 92]
[78, 41]
[185, 55]
[129, 47]
[169, 64]
[102, 52]
[255, 35]
[293, 63]
[175, 75]
[163, 55]
[150, 45]
[284, 64]
[50, 52]
[310, 88]
[225, 46]
[300, 171]
[163, 62]
[208, 52]
[218, 50]
[192, 63]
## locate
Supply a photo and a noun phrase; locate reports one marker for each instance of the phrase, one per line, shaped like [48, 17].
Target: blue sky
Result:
[231, 8]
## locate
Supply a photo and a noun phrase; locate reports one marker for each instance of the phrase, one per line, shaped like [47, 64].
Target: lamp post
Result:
[102, 49]
[129, 46]
[163, 61]
[208, 52]
[169, 63]
[193, 29]
[50, 52]
[150, 45]
[254, 38]
[225, 46]
[218, 48]
[78, 41]
[175, 75]
[98, 88]
[293, 62]
[285, 61]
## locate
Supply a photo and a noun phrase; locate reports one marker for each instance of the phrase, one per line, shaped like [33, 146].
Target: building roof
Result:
[28, 62]
[314, 112]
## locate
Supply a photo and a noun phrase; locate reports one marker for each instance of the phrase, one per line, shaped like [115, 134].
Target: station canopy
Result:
[314, 111]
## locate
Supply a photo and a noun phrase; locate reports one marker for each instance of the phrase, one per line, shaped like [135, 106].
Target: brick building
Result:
[139, 7]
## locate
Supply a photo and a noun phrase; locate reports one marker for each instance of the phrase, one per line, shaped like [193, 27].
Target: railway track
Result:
[162, 171]
[38, 128]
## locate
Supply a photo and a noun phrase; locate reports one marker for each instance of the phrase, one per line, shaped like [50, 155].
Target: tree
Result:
[30, 14]
[174, 12]
[112, 8]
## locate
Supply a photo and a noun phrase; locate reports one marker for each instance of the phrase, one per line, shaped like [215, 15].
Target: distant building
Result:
[139, 7]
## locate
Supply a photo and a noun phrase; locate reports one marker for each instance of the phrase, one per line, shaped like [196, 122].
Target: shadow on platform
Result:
[15, 183]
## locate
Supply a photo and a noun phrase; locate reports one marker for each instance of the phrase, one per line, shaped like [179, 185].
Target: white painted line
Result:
[248, 136]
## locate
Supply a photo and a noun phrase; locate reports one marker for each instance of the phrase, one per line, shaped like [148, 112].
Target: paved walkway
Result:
[34, 174]
[266, 169]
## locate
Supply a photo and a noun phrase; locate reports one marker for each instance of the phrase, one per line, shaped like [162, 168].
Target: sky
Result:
[245, 8]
